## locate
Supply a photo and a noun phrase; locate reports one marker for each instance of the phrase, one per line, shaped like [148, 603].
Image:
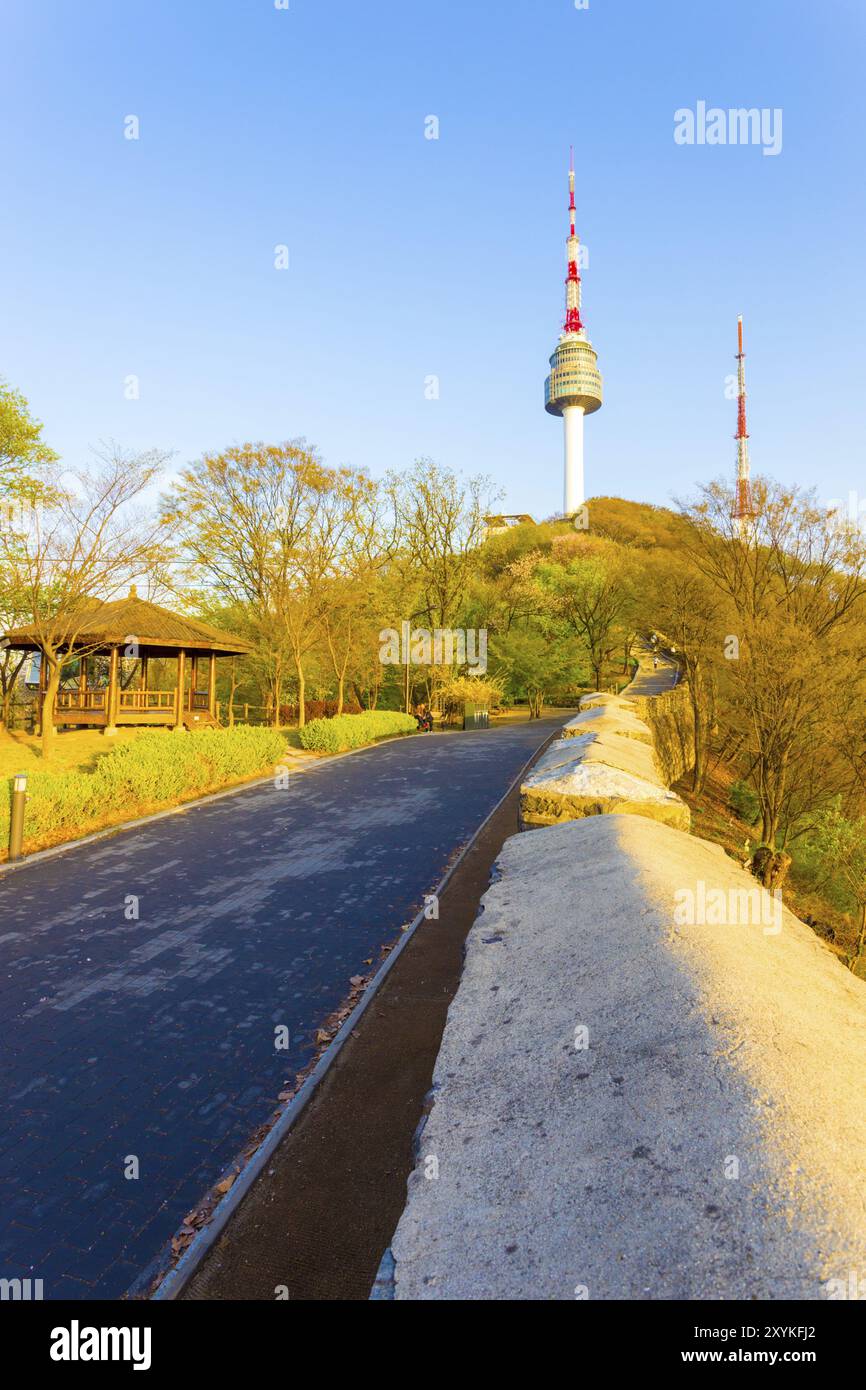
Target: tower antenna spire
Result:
[744, 507]
[573, 388]
[573, 322]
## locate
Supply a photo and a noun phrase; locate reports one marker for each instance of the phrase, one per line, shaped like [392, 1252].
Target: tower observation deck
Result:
[573, 388]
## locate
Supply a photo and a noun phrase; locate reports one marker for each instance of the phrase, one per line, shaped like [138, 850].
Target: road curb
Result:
[175, 1281]
[54, 850]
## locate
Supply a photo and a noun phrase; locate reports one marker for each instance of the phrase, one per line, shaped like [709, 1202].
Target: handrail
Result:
[81, 699]
[147, 699]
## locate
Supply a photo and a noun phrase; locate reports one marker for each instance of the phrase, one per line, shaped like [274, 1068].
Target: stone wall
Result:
[611, 761]
[636, 1098]
[670, 718]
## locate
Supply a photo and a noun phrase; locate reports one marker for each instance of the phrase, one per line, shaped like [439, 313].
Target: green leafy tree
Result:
[23, 451]
[839, 844]
[24, 456]
[533, 660]
[592, 581]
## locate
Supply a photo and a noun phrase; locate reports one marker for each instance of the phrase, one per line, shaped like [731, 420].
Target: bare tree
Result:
[265, 527]
[83, 539]
[795, 581]
[688, 611]
[440, 523]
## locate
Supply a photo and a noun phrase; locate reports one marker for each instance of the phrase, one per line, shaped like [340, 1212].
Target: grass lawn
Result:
[75, 750]
[76, 792]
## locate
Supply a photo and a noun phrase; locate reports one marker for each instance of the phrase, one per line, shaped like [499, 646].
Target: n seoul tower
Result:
[573, 388]
[744, 508]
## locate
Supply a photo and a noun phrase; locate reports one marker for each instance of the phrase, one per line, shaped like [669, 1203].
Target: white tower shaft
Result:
[572, 416]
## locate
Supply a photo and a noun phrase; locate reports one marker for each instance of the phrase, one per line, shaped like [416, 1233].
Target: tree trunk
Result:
[302, 686]
[701, 737]
[49, 733]
[340, 689]
[8, 677]
[854, 961]
[276, 694]
[699, 771]
[769, 828]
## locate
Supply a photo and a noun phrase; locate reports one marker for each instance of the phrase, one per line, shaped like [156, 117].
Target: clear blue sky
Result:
[411, 257]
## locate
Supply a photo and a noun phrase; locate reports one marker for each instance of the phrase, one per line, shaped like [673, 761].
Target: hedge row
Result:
[156, 769]
[346, 731]
[317, 709]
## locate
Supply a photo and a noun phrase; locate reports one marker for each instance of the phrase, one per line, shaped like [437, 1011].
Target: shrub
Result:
[354, 730]
[744, 802]
[473, 690]
[156, 769]
[317, 709]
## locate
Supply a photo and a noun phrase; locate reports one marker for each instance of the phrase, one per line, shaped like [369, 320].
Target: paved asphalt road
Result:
[154, 1037]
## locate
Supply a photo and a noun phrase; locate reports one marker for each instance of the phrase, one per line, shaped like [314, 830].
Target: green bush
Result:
[153, 770]
[354, 730]
[744, 802]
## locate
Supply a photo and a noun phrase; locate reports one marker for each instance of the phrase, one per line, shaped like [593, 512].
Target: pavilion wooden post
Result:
[143, 677]
[111, 697]
[211, 687]
[82, 680]
[181, 681]
[193, 679]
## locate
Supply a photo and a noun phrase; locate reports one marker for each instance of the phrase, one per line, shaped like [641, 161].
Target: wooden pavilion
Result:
[110, 661]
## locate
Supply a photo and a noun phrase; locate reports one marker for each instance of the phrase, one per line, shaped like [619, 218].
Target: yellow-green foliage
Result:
[156, 769]
[469, 690]
[346, 731]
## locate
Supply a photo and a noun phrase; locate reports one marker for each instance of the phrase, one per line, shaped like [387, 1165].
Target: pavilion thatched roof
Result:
[151, 625]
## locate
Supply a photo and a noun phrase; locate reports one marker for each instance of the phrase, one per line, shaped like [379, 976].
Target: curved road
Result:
[152, 1039]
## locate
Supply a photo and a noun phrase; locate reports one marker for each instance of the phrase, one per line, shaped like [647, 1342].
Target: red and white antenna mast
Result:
[744, 508]
[572, 284]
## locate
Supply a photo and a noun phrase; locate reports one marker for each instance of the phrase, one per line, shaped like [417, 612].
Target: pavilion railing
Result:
[129, 699]
[146, 699]
[81, 699]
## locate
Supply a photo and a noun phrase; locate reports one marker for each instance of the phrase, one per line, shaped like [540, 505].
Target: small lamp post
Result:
[16, 819]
